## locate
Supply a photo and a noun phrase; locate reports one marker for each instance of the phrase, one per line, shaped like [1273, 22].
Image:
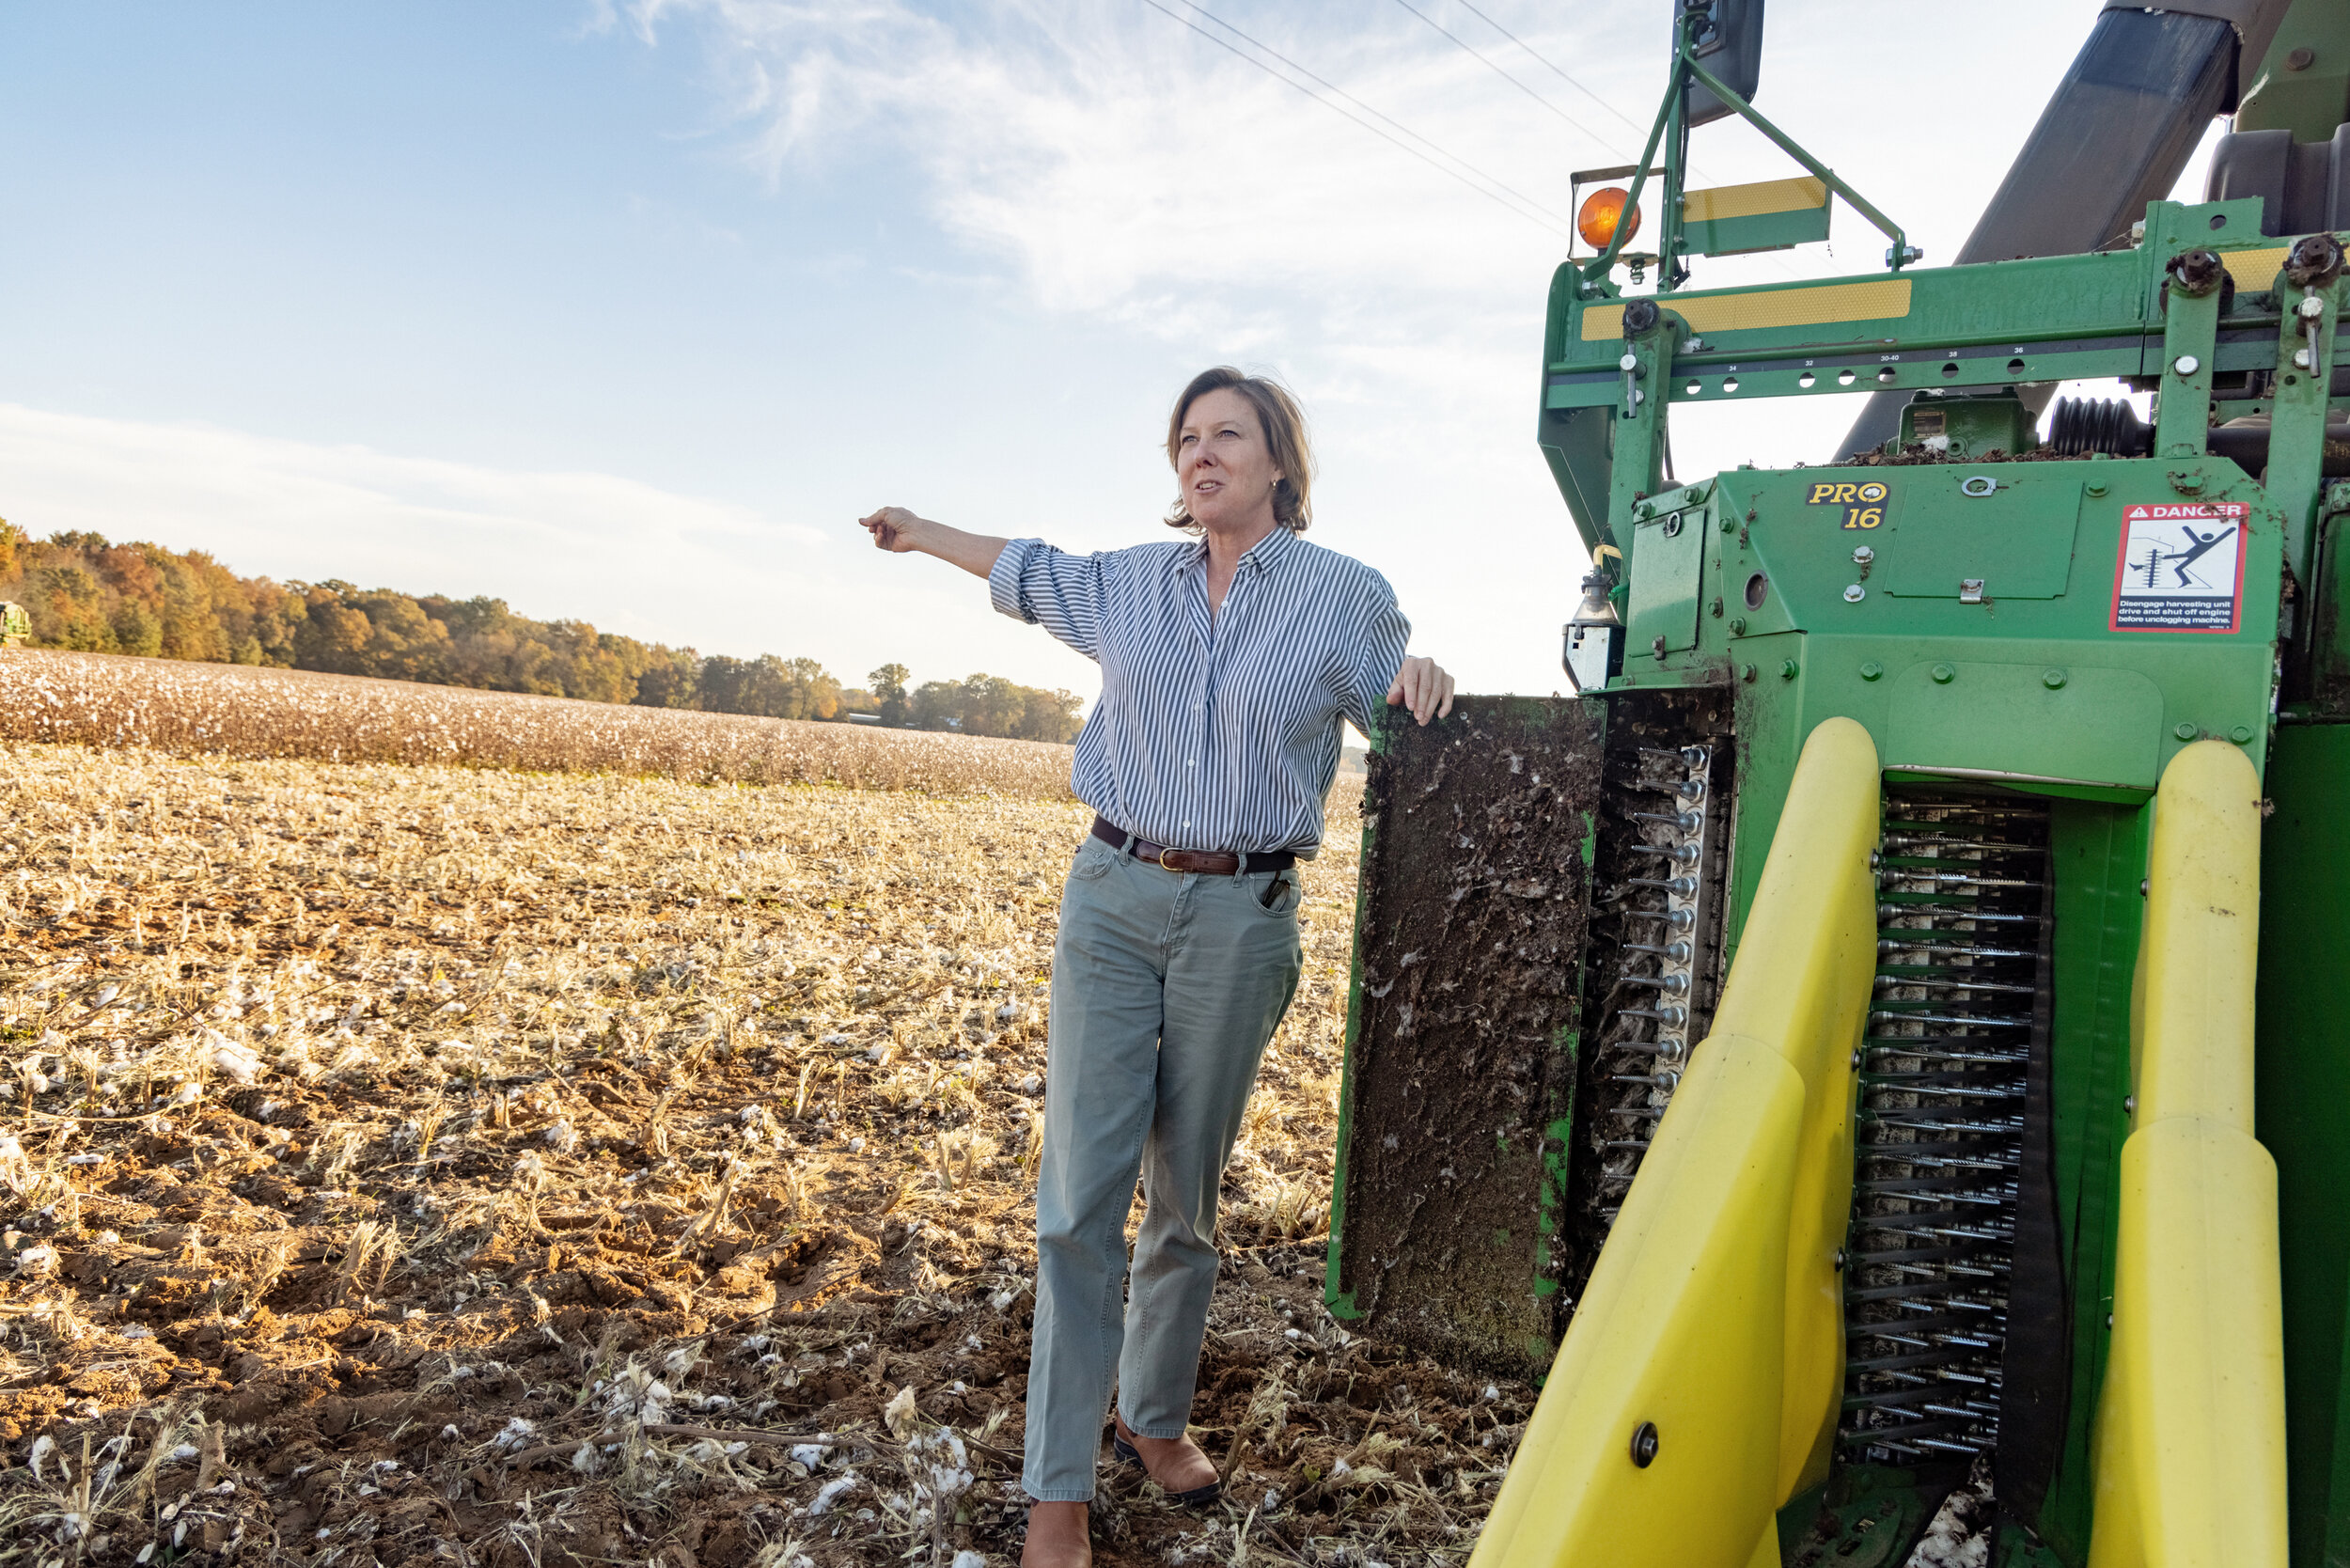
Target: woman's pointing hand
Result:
[895, 529]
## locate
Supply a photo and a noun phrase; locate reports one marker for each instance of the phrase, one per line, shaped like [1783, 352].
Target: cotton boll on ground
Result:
[730, 1129]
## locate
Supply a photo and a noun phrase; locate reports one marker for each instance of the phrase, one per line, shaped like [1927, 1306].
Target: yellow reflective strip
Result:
[1602, 321]
[2254, 269]
[1746, 201]
[1879, 299]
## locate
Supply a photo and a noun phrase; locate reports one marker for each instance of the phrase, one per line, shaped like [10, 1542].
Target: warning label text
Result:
[2181, 568]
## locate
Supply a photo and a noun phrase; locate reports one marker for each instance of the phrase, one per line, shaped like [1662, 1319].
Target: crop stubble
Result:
[112, 699]
[426, 1163]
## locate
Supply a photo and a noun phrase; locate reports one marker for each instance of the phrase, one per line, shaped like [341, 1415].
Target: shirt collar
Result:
[1267, 552]
[1260, 558]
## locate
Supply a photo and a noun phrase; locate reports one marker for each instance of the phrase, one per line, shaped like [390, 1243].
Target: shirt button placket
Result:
[1199, 745]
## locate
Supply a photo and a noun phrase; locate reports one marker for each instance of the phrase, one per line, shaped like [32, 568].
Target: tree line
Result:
[83, 593]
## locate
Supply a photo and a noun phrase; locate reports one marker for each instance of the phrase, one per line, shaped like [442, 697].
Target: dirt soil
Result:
[1917, 454]
[1464, 1074]
[418, 1164]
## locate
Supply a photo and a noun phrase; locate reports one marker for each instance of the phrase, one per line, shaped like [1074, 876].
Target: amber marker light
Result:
[1601, 211]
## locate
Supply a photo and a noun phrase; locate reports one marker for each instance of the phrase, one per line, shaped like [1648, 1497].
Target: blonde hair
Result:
[1284, 426]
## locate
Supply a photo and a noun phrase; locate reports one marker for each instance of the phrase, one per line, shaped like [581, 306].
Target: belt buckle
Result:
[1160, 861]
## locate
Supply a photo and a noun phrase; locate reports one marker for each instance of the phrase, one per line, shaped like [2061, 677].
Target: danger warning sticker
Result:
[2182, 567]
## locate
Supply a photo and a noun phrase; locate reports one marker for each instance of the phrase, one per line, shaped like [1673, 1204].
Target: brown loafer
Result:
[1198, 1496]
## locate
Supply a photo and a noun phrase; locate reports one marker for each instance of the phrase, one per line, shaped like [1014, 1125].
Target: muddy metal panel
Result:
[1462, 1035]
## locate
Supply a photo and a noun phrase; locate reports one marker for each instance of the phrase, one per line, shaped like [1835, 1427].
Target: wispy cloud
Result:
[1099, 162]
[1112, 155]
[1116, 168]
[624, 554]
[1125, 166]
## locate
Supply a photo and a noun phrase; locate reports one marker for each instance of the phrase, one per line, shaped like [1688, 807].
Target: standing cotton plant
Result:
[937, 1470]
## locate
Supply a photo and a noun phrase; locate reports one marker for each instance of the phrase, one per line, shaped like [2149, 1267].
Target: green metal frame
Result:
[1672, 129]
[2098, 853]
[1957, 328]
[2302, 1086]
[2303, 83]
[2031, 682]
[1969, 613]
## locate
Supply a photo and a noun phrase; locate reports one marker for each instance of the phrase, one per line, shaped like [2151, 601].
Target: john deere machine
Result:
[1880, 1040]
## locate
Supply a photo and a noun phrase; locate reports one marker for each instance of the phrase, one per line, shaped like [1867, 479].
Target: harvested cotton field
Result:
[175, 705]
[413, 1165]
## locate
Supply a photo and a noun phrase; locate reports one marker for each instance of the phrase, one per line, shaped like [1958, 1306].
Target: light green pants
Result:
[1165, 988]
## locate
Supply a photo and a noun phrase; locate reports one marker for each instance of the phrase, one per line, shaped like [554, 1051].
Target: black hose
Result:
[2083, 425]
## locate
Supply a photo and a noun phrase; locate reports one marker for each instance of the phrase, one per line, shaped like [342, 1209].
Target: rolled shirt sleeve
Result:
[1374, 654]
[1033, 582]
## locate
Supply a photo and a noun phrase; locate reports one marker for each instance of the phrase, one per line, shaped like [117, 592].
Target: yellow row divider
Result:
[1697, 1387]
[2189, 1451]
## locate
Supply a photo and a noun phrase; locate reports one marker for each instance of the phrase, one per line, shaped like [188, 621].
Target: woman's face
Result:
[1221, 461]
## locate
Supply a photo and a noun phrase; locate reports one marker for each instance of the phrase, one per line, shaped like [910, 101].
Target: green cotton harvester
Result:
[1871, 1052]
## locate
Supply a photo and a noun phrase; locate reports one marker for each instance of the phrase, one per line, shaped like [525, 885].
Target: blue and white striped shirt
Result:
[1213, 733]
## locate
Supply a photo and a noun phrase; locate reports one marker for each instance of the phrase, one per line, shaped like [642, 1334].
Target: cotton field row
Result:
[237, 710]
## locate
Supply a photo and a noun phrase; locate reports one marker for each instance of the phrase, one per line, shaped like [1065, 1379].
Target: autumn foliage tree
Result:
[991, 705]
[85, 594]
[888, 685]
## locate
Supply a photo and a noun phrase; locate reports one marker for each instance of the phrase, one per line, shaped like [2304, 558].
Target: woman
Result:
[1228, 663]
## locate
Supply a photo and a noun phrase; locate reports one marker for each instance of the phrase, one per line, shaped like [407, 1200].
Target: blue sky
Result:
[626, 311]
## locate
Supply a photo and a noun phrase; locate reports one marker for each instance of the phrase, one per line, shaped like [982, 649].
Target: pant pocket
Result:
[1094, 858]
[1278, 899]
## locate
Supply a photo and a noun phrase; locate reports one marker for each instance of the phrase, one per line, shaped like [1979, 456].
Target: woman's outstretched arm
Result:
[1026, 578]
[898, 529]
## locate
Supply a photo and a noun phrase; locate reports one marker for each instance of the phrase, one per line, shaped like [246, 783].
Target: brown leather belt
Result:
[1206, 862]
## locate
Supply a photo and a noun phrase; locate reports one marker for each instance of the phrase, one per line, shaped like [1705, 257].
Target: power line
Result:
[1481, 57]
[1530, 92]
[1779, 262]
[1492, 189]
[1519, 195]
[1552, 68]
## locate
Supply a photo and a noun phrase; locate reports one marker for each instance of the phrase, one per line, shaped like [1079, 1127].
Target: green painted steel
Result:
[1971, 426]
[2298, 407]
[2320, 670]
[1796, 218]
[1865, 1516]
[2190, 335]
[2303, 85]
[1978, 637]
[1744, 235]
[2098, 854]
[1987, 327]
[2303, 1085]
[1672, 551]
[2054, 627]
[1936, 537]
